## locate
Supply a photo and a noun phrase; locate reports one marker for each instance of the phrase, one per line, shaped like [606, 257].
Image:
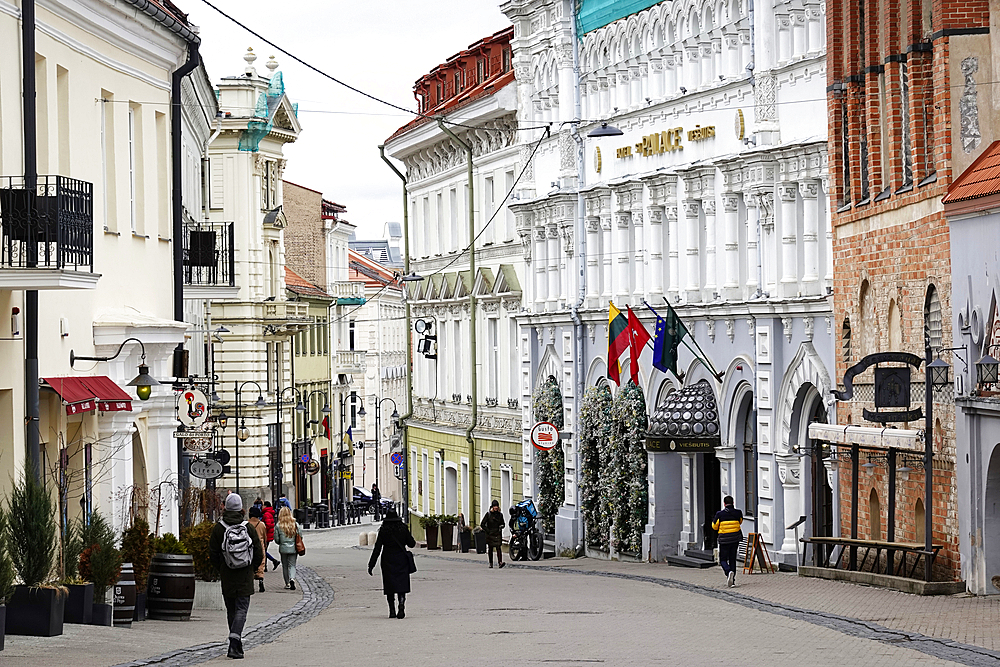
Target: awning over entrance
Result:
[868, 436]
[83, 394]
[688, 421]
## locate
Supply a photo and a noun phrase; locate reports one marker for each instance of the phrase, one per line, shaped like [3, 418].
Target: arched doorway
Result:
[991, 528]
[822, 493]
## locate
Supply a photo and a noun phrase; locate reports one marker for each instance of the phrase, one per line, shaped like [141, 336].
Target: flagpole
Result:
[703, 358]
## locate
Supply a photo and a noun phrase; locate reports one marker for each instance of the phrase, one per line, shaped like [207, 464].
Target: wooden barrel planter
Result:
[170, 595]
[124, 597]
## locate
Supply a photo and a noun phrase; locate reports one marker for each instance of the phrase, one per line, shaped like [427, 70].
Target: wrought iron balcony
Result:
[48, 226]
[209, 255]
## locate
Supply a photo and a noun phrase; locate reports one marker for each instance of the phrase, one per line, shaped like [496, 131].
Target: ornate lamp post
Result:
[242, 432]
[340, 501]
[378, 433]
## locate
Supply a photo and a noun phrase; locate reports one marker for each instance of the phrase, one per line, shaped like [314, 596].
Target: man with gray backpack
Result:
[236, 552]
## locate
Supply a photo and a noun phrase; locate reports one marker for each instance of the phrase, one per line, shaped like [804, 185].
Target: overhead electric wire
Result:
[347, 85]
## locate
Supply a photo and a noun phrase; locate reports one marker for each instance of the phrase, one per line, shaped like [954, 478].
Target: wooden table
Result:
[851, 545]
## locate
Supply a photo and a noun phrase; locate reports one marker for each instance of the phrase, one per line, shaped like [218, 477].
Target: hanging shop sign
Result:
[892, 386]
[312, 467]
[544, 436]
[192, 407]
[195, 441]
[205, 468]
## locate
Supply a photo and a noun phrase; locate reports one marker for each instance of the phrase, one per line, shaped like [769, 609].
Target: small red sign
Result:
[544, 436]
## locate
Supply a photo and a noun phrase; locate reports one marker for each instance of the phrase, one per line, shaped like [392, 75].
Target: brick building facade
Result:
[901, 124]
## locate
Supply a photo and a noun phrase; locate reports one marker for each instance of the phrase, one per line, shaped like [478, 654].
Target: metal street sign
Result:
[544, 436]
[397, 458]
[205, 468]
[195, 441]
[305, 458]
[398, 471]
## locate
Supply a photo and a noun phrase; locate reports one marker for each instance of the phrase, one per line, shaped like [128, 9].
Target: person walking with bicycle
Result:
[492, 524]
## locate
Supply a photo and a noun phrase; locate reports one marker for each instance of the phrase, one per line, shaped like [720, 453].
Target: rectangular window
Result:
[459, 355]
[350, 336]
[907, 146]
[425, 484]
[163, 176]
[492, 346]
[458, 82]
[279, 365]
[512, 354]
[63, 115]
[269, 371]
[506, 60]
[354, 409]
[441, 227]
[487, 216]
[453, 215]
[108, 159]
[131, 167]
[481, 70]
[510, 232]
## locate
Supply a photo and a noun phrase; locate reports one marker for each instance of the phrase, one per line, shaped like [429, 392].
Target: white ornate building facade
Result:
[713, 199]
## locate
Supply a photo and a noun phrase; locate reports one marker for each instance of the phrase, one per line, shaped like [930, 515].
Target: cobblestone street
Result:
[552, 612]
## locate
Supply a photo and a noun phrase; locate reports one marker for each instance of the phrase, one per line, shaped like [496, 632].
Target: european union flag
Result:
[669, 332]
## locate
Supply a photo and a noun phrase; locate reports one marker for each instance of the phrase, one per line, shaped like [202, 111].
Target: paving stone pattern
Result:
[317, 595]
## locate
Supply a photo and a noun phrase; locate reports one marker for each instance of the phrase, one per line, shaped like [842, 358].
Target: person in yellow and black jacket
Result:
[727, 523]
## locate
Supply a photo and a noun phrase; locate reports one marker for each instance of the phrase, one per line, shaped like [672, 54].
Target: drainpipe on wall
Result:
[472, 313]
[409, 341]
[31, 435]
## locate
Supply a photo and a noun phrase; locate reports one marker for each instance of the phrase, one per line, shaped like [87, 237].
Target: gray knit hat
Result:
[234, 503]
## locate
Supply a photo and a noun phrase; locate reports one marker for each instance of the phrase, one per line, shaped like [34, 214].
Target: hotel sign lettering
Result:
[667, 141]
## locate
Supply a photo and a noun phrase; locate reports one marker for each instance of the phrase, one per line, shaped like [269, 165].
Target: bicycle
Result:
[525, 540]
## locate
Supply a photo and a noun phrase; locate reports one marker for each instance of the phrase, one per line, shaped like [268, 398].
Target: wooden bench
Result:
[850, 545]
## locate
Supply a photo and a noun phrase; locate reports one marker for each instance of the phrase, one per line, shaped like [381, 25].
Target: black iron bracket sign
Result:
[892, 387]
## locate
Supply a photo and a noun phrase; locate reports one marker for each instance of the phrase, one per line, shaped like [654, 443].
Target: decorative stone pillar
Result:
[656, 72]
[594, 251]
[692, 69]
[666, 518]
[622, 281]
[635, 85]
[554, 257]
[731, 54]
[789, 473]
[622, 88]
[604, 101]
[784, 23]
[799, 36]
[673, 247]
[745, 50]
[669, 75]
[731, 213]
[810, 236]
[541, 269]
[607, 249]
[816, 30]
[707, 57]
[789, 240]
[753, 258]
[689, 506]
[655, 215]
[692, 289]
[711, 267]
[639, 272]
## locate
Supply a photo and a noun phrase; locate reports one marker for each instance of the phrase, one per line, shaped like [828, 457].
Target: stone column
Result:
[541, 269]
[666, 516]
[639, 274]
[622, 281]
[656, 77]
[744, 35]
[554, 257]
[689, 506]
[731, 54]
[789, 473]
[594, 251]
[622, 88]
[604, 101]
[816, 30]
[731, 212]
[810, 236]
[669, 75]
[655, 252]
[635, 84]
[692, 289]
[753, 260]
[673, 247]
[711, 267]
[799, 45]
[692, 70]
[784, 24]
[707, 56]
[607, 250]
[789, 240]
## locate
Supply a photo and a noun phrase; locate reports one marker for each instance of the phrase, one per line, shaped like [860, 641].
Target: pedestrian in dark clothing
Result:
[492, 524]
[393, 538]
[231, 542]
[727, 522]
[377, 500]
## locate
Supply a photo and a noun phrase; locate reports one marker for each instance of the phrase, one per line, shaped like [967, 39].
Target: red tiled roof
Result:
[171, 9]
[981, 179]
[296, 283]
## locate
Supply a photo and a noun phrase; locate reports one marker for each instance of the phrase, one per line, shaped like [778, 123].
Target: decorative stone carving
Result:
[786, 327]
[766, 202]
[731, 329]
[968, 106]
[810, 327]
[710, 325]
[764, 98]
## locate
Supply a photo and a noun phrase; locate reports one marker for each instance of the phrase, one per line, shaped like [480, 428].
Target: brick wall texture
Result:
[890, 150]
[305, 248]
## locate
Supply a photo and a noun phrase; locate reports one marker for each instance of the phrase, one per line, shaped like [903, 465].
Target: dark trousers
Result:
[489, 552]
[236, 613]
[727, 556]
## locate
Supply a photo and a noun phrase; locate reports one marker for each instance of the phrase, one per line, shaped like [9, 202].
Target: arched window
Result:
[919, 517]
[932, 319]
[895, 327]
[874, 516]
[868, 338]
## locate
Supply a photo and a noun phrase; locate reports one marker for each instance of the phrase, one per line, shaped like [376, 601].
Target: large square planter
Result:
[102, 614]
[3, 620]
[35, 611]
[432, 537]
[447, 532]
[140, 607]
[79, 604]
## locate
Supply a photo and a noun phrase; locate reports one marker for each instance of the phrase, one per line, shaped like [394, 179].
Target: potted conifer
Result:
[36, 607]
[137, 548]
[447, 523]
[101, 563]
[6, 578]
[80, 601]
[430, 525]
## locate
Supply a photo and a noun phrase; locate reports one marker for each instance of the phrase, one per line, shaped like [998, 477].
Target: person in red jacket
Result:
[269, 523]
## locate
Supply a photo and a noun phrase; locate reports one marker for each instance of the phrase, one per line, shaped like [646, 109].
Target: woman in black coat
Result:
[393, 538]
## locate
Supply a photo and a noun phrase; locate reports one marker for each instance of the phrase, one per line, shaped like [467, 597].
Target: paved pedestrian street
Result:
[555, 612]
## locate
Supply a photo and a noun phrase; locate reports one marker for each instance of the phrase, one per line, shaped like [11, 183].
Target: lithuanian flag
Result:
[618, 341]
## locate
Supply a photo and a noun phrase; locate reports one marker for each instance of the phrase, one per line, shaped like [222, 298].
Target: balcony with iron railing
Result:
[209, 260]
[46, 233]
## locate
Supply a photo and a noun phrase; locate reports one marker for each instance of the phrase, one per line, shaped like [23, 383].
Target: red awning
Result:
[82, 394]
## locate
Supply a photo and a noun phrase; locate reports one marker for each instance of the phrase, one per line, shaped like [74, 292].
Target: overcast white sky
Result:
[379, 46]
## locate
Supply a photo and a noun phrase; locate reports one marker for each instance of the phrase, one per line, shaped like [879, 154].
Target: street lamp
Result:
[143, 382]
[341, 506]
[605, 130]
[242, 433]
[305, 401]
[378, 429]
